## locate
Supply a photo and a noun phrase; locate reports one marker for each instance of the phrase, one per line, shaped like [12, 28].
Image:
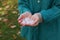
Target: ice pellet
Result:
[27, 21]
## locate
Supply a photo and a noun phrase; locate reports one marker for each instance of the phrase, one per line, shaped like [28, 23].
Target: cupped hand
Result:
[36, 20]
[23, 16]
[32, 21]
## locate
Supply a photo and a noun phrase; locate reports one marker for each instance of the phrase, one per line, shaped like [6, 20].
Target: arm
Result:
[23, 6]
[52, 13]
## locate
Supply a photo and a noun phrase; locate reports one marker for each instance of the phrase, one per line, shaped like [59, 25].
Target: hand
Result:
[23, 16]
[33, 21]
[37, 19]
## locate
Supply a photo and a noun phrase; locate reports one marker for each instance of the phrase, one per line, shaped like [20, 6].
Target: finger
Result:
[19, 21]
[36, 24]
[28, 25]
[35, 21]
[21, 16]
[23, 24]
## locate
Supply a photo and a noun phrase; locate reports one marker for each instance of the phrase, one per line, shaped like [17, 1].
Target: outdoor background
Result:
[9, 27]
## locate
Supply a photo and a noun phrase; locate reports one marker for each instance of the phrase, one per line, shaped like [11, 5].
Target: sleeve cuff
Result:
[44, 16]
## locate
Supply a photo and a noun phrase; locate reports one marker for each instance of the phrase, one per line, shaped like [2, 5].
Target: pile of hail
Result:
[27, 21]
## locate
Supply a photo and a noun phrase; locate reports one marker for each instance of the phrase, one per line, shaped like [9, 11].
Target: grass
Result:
[9, 27]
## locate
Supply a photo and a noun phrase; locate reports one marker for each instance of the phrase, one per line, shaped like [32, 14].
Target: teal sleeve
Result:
[23, 6]
[51, 13]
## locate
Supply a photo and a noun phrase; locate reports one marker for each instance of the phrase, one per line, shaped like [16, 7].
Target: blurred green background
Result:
[9, 27]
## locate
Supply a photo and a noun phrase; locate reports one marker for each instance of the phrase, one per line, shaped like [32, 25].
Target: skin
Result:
[34, 17]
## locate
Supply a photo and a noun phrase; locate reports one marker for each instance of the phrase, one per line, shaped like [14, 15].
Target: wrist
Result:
[40, 17]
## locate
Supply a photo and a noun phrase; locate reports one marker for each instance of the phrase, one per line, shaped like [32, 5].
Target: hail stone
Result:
[27, 21]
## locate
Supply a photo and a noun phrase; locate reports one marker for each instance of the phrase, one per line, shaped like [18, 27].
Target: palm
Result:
[33, 21]
[35, 18]
[23, 16]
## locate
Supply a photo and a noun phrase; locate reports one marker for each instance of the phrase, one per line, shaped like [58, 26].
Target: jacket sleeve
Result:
[51, 13]
[23, 6]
